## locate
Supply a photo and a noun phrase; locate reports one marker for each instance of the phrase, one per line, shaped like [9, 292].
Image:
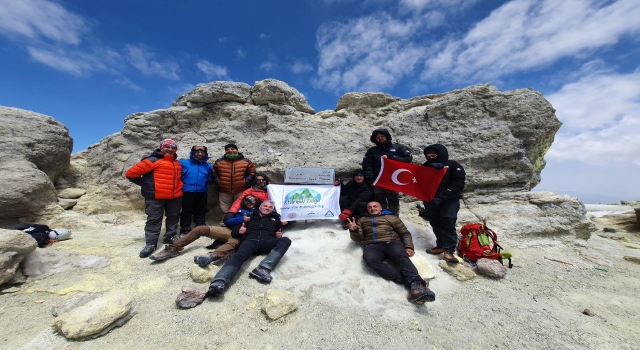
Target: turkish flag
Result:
[415, 180]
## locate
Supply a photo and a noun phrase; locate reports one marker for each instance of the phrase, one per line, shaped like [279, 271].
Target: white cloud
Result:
[264, 36]
[40, 19]
[129, 84]
[601, 120]
[420, 5]
[76, 62]
[369, 53]
[143, 59]
[222, 40]
[300, 66]
[240, 53]
[528, 34]
[212, 70]
[268, 66]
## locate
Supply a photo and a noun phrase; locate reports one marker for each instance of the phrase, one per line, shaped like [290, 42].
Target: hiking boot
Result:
[216, 288]
[450, 258]
[169, 239]
[435, 250]
[420, 292]
[169, 251]
[204, 260]
[147, 250]
[261, 274]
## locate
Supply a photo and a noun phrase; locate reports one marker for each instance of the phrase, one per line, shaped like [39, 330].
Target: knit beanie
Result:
[168, 142]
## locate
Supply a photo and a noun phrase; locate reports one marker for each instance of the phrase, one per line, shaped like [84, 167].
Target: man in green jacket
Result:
[385, 236]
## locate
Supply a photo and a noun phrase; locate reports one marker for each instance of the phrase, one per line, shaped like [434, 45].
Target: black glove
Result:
[436, 165]
[434, 203]
[447, 194]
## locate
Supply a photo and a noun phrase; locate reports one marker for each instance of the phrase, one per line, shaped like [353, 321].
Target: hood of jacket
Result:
[357, 172]
[381, 131]
[443, 154]
[193, 157]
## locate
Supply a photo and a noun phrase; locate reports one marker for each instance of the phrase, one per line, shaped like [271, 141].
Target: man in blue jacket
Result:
[196, 174]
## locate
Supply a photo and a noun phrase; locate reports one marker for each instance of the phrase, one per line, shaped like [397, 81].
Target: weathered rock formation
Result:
[499, 137]
[36, 150]
[15, 245]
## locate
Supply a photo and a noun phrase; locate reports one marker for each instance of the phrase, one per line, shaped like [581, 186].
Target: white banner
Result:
[306, 202]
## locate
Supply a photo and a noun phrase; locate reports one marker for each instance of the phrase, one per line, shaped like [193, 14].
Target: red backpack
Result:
[479, 241]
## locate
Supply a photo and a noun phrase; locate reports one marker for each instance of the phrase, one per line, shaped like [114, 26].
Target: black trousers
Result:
[194, 204]
[375, 253]
[443, 222]
[155, 210]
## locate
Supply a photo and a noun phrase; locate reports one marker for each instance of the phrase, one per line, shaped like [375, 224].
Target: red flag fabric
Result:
[415, 180]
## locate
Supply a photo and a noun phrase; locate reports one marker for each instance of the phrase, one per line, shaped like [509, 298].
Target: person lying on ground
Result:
[385, 236]
[262, 234]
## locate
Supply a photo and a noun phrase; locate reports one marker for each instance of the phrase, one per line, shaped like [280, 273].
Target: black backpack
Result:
[39, 232]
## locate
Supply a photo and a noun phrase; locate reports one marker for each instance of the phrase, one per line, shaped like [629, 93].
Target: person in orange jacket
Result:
[233, 173]
[159, 178]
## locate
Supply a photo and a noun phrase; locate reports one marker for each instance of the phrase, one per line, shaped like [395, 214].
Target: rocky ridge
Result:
[499, 137]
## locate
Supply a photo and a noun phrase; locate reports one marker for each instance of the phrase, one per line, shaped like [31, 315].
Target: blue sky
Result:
[89, 64]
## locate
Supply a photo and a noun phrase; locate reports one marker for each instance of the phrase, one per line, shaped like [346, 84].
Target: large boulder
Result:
[499, 137]
[36, 150]
[36, 138]
[26, 191]
[271, 91]
[217, 91]
[15, 245]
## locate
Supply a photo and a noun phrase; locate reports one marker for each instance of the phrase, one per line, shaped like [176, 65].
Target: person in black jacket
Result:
[442, 210]
[354, 197]
[372, 163]
[262, 234]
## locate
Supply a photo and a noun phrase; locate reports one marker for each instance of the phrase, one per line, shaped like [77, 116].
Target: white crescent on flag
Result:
[394, 176]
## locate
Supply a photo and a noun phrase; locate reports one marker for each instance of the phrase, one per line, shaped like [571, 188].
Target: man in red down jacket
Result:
[158, 176]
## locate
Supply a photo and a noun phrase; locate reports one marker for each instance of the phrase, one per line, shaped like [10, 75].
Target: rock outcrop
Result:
[36, 150]
[499, 137]
[15, 245]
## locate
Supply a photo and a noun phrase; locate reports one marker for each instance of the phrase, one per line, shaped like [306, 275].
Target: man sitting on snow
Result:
[385, 236]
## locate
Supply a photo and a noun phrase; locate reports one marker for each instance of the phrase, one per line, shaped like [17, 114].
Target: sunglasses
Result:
[199, 149]
[173, 145]
[249, 200]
